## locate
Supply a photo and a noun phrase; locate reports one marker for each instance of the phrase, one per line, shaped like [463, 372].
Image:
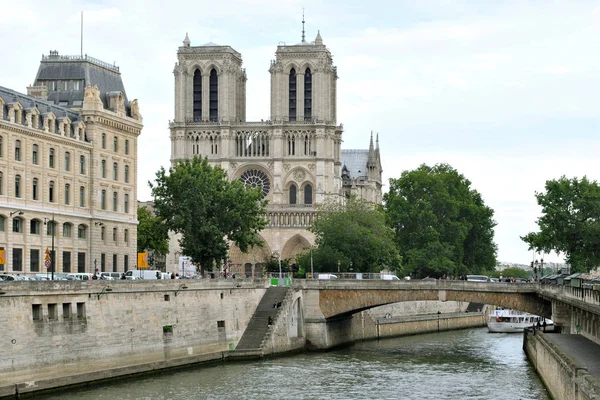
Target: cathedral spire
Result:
[371, 158]
[186, 41]
[319, 39]
[303, 37]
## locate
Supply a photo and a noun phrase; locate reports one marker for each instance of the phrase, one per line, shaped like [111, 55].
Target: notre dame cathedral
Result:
[295, 156]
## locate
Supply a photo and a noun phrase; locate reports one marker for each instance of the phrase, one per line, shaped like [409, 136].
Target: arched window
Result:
[115, 144]
[307, 95]
[1, 154]
[18, 150]
[115, 201]
[103, 168]
[34, 227]
[1, 183]
[292, 94]
[127, 147]
[82, 165]
[114, 234]
[115, 171]
[67, 161]
[308, 194]
[51, 192]
[67, 230]
[293, 194]
[127, 174]
[50, 228]
[104, 140]
[34, 189]
[214, 96]
[126, 236]
[197, 96]
[51, 158]
[2, 224]
[103, 200]
[81, 231]
[34, 156]
[67, 194]
[126, 203]
[103, 233]
[17, 185]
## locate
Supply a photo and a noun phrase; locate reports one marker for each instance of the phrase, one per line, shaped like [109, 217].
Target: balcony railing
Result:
[291, 219]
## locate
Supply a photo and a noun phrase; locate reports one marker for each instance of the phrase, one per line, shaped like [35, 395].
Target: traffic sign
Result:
[47, 263]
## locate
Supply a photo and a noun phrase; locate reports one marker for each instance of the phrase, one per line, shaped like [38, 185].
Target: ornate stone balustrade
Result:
[291, 218]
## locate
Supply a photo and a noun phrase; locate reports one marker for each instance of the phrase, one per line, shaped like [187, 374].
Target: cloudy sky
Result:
[506, 92]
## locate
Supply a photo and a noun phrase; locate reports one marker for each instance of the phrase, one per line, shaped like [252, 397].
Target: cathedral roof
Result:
[210, 44]
[355, 161]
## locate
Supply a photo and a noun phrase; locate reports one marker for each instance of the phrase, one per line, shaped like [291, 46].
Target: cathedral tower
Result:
[303, 82]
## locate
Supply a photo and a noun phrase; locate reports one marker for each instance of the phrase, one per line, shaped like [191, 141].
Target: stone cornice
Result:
[107, 119]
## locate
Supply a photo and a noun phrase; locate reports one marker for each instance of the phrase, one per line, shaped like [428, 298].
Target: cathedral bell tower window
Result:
[293, 194]
[214, 96]
[292, 99]
[307, 95]
[197, 96]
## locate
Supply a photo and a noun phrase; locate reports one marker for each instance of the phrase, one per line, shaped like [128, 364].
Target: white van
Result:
[110, 276]
[327, 276]
[79, 276]
[477, 278]
[390, 277]
[141, 274]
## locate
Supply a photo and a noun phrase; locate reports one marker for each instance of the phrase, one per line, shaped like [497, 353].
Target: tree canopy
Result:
[200, 202]
[152, 233]
[570, 222]
[441, 225]
[353, 234]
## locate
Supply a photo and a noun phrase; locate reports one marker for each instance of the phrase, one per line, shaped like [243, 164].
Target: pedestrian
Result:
[533, 329]
[94, 277]
[177, 275]
[123, 276]
[172, 275]
[157, 275]
[544, 325]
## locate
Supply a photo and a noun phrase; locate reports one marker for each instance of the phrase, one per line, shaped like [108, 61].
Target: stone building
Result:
[295, 155]
[68, 169]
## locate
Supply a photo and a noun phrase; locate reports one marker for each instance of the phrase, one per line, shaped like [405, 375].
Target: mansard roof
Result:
[55, 67]
[10, 96]
[355, 161]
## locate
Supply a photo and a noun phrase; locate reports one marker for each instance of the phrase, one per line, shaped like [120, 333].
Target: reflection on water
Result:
[466, 364]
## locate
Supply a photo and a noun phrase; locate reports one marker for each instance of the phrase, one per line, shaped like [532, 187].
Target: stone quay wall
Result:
[561, 376]
[69, 332]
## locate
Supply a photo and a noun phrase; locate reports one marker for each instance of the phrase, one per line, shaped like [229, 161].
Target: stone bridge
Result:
[332, 299]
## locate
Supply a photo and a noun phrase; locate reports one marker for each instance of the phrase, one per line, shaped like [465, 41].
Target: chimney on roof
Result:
[39, 92]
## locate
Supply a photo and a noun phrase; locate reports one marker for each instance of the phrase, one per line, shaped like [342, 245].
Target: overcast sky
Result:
[506, 92]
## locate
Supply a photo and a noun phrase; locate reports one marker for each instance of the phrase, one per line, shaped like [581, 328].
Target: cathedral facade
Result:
[295, 156]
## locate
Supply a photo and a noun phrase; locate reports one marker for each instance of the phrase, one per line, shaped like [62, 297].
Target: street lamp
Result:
[18, 212]
[52, 255]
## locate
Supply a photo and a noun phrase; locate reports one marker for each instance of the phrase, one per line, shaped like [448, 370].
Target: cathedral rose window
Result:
[256, 179]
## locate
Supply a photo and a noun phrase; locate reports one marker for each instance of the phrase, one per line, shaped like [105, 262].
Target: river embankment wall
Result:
[563, 378]
[71, 333]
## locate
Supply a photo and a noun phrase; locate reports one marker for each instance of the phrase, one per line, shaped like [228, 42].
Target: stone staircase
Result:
[255, 333]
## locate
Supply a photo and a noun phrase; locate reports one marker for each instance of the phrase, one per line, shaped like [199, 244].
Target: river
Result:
[465, 364]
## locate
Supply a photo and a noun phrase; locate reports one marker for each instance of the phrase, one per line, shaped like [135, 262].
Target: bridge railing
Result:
[588, 294]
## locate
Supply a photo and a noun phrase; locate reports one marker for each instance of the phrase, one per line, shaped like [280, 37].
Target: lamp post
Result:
[312, 274]
[52, 255]
[541, 270]
[535, 269]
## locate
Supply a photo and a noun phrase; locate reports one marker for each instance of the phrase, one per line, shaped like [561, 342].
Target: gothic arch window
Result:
[292, 94]
[308, 194]
[214, 96]
[293, 194]
[197, 96]
[256, 179]
[307, 95]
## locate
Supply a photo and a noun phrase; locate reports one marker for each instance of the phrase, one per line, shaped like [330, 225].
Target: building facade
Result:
[68, 170]
[295, 156]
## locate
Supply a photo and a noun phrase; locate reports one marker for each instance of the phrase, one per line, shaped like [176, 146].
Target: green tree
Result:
[570, 222]
[200, 202]
[152, 233]
[353, 234]
[441, 224]
[514, 272]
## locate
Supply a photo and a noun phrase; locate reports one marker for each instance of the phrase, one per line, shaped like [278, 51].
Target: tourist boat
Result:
[508, 321]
